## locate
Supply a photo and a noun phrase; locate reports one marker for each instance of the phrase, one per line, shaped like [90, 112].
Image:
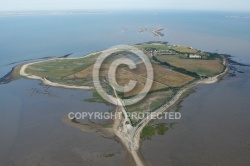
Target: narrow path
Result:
[130, 136]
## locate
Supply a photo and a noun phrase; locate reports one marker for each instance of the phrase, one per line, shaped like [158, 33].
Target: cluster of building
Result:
[194, 56]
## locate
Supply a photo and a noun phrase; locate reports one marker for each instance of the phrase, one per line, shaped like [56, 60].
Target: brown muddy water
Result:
[214, 128]
[32, 131]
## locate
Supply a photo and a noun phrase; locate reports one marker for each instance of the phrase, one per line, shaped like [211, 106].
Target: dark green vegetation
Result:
[153, 46]
[158, 129]
[109, 155]
[12, 75]
[96, 98]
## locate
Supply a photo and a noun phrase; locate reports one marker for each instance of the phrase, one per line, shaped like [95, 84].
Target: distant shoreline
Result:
[46, 13]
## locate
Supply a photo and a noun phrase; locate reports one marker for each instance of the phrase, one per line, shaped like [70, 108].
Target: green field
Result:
[155, 46]
[200, 66]
[184, 49]
[57, 70]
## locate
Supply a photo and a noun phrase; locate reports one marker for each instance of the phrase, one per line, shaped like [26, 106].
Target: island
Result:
[176, 68]
[157, 32]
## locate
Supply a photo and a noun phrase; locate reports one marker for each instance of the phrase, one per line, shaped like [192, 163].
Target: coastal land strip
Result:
[177, 69]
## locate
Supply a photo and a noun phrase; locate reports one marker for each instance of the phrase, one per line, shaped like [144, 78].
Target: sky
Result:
[223, 5]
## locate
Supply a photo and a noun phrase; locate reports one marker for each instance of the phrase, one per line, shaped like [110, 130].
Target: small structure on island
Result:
[194, 56]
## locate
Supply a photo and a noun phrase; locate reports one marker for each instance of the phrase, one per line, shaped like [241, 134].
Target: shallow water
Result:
[214, 128]
[32, 131]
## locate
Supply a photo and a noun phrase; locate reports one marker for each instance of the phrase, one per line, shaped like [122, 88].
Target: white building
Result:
[194, 56]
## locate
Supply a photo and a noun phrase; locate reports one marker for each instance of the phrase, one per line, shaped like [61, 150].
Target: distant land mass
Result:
[59, 12]
[238, 17]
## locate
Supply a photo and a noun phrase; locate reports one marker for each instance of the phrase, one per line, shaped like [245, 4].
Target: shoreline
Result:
[45, 81]
[180, 94]
[130, 138]
[128, 135]
[54, 84]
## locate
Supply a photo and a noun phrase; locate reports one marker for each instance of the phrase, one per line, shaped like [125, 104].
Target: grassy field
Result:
[184, 49]
[58, 69]
[150, 103]
[155, 46]
[170, 77]
[163, 77]
[201, 67]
